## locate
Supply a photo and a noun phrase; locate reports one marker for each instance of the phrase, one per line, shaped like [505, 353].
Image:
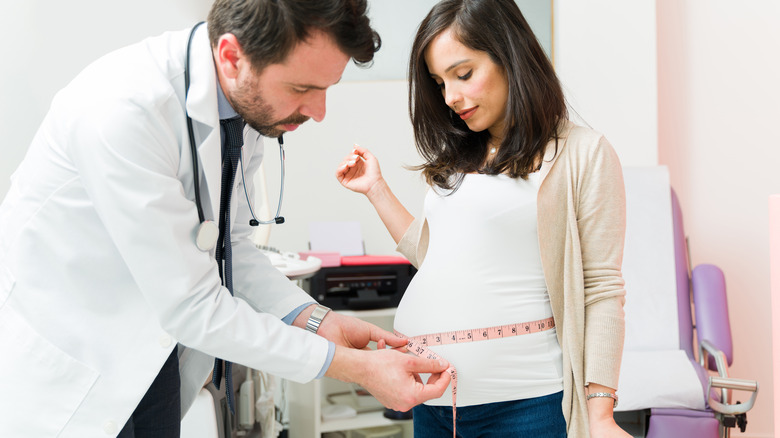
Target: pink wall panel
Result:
[774, 267]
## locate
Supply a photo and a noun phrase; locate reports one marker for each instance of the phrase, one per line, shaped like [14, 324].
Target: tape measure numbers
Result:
[418, 345]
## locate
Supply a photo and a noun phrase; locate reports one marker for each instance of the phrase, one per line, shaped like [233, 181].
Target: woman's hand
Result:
[359, 171]
[600, 415]
[607, 429]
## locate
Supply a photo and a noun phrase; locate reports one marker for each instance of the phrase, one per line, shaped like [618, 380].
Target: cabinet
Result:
[305, 401]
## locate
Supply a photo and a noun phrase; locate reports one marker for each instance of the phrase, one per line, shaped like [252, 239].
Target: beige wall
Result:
[719, 89]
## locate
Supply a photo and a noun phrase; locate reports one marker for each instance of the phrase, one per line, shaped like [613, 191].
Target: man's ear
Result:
[228, 55]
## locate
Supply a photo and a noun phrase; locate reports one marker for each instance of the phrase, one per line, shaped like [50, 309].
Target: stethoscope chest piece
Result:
[206, 238]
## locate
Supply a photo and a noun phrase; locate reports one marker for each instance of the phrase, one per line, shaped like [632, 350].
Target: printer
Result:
[361, 283]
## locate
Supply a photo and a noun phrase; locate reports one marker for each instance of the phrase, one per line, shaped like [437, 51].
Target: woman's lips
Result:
[465, 114]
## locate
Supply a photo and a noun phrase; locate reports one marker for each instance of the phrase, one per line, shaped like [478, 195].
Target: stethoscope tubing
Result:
[205, 238]
[190, 131]
[277, 218]
[195, 156]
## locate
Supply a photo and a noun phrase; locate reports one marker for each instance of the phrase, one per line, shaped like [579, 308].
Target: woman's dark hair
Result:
[535, 109]
[268, 30]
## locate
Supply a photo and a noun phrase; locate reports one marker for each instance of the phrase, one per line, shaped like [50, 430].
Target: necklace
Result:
[492, 150]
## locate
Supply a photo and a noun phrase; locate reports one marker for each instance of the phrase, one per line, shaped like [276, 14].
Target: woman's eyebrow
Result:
[455, 64]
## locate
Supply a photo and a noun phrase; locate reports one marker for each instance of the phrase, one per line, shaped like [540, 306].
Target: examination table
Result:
[674, 380]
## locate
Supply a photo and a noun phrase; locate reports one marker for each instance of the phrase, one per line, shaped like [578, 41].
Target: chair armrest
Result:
[706, 349]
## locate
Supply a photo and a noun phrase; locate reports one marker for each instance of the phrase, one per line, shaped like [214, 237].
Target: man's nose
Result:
[314, 107]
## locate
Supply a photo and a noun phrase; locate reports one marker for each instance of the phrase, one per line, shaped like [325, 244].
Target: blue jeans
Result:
[539, 417]
[159, 413]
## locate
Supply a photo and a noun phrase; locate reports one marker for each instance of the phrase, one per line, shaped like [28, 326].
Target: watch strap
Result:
[614, 397]
[316, 317]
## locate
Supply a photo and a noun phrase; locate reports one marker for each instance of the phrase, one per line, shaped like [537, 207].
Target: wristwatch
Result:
[604, 394]
[315, 319]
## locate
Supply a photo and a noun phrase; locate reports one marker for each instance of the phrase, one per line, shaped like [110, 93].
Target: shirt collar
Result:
[225, 110]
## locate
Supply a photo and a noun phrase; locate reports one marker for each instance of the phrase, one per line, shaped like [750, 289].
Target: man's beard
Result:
[256, 112]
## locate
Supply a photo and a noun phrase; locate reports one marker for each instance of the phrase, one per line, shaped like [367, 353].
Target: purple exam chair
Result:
[705, 288]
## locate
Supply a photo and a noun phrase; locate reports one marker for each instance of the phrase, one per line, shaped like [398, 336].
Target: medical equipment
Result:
[666, 389]
[360, 287]
[208, 231]
[291, 264]
[246, 401]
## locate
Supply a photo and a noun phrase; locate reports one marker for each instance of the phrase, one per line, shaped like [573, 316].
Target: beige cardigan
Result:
[581, 223]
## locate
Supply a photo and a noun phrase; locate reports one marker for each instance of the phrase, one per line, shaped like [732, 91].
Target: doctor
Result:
[111, 314]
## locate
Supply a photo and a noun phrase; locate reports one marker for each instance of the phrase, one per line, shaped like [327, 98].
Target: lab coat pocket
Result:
[41, 385]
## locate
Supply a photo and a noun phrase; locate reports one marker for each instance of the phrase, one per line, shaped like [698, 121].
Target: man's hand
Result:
[391, 376]
[355, 333]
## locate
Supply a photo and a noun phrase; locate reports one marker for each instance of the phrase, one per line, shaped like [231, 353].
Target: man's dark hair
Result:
[268, 30]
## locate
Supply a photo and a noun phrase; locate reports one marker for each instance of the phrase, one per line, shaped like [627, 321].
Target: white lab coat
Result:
[99, 273]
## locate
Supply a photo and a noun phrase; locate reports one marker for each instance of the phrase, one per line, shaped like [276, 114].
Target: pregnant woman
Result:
[524, 221]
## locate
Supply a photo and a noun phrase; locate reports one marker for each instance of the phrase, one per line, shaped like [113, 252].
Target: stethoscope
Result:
[208, 231]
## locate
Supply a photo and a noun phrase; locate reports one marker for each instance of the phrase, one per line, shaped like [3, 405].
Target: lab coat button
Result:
[109, 427]
[165, 341]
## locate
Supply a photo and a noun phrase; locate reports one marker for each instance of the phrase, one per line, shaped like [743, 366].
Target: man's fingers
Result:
[391, 339]
[435, 377]
[396, 341]
[437, 384]
[433, 366]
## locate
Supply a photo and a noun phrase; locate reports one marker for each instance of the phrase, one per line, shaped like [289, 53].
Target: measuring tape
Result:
[418, 345]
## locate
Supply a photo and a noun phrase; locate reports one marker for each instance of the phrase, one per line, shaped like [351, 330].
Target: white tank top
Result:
[482, 269]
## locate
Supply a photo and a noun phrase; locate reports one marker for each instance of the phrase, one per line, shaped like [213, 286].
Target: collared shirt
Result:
[226, 111]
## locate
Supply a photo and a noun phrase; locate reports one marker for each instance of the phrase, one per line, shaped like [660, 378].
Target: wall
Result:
[605, 56]
[718, 76]
[46, 43]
